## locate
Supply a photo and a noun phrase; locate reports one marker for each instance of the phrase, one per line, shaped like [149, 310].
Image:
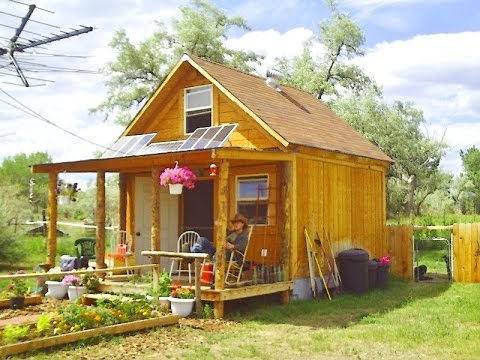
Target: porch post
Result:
[100, 233]
[155, 197]
[122, 206]
[286, 181]
[52, 219]
[286, 174]
[221, 224]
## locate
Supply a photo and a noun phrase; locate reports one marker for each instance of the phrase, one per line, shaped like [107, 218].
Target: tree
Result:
[332, 73]
[471, 166]
[15, 171]
[396, 129]
[10, 251]
[139, 69]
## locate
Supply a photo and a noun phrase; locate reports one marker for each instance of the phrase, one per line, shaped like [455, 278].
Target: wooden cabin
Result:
[289, 163]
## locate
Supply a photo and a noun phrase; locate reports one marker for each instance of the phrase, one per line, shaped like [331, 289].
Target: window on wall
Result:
[252, 198]
[198, 108]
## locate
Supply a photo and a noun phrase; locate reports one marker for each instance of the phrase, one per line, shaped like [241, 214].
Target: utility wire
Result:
[42, 118]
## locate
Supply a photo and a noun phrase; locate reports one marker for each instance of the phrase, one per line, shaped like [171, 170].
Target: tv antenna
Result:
[17, 44]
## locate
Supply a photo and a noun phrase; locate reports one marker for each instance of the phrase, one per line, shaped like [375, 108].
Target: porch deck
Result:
[218, 297]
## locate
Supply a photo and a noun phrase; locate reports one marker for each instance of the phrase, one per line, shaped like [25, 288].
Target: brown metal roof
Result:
[295, 115]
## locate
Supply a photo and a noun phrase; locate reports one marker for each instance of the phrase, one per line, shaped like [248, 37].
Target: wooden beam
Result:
[130, 217]
[100, 233]
[252, 154]
[155, 199]
[122, 205]
[52, 219]
[286, 198]
[127, 164]
[246, 291]
[220, 224]
[175, 254]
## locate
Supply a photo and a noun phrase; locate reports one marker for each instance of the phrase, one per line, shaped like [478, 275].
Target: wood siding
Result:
[263, 236]
[400, 249]
[342, 201]
[168, 119]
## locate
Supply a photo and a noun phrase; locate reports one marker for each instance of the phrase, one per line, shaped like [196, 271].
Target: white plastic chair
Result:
[234, 269]
[184, 244]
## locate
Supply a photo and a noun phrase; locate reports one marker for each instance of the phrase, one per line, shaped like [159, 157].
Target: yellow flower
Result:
[97, 318]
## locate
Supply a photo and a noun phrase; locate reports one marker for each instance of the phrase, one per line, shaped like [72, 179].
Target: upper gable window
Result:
[198, 108]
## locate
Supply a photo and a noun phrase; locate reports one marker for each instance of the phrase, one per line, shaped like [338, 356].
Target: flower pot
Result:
[175, 189]
[17, 302]
[63, 200]
[56, 290]
[74, 292]
[164, 302]
[182, 307]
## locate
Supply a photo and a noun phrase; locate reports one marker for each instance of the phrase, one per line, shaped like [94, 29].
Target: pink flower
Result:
[178, 175]
[385, 260]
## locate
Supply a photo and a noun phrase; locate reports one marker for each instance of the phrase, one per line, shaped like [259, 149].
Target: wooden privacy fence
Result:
[466, 252]
[400, 249]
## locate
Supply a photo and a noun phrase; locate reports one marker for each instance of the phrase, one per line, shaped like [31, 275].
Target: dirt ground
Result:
[138, 345]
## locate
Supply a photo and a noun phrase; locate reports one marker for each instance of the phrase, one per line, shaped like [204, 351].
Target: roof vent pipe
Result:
[273, 80]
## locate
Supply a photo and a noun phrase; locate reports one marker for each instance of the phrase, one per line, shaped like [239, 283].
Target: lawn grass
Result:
[433, 259]
[405, 321]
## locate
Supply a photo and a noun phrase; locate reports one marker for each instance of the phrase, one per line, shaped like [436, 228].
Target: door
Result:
[143, 221]
[198, 209]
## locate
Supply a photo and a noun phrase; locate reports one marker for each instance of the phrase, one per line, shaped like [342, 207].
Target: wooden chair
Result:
[184, 244]
[234, 269]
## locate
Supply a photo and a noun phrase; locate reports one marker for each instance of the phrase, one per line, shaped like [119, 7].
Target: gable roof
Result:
[291, 115]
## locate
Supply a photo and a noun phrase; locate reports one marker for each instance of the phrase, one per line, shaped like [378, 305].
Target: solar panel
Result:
[161, 148]
[128, 145]
[208, 137]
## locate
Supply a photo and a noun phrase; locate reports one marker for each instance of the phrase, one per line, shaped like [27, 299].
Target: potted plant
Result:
[55, 287]
[18, 289]
[177, 178]
[181, 301]
[66, 192]
[91, 282]
[75, 290]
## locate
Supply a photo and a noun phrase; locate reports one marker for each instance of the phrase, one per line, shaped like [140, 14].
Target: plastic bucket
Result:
[206, 276]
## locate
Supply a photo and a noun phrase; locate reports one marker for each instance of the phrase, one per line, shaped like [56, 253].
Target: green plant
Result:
[163, 286]
[207, 312]
[182, 293]
[91, 282]
[12, 334]
[44, 324]
[18, 287]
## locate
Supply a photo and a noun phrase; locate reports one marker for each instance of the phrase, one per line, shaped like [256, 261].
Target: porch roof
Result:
[145, 162]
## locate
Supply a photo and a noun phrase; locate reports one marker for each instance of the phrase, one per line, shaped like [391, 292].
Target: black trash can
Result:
[382, 276]
[353, 265]
[372, 274]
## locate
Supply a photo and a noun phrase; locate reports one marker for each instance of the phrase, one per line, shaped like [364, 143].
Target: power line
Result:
[42, 118]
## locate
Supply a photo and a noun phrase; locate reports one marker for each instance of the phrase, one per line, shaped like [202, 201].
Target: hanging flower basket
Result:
[66, 192]
[177, 178]
[175, 189]
[63, 200]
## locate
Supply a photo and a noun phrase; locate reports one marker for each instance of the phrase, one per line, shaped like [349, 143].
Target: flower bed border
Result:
[55, 340]
[29, 300]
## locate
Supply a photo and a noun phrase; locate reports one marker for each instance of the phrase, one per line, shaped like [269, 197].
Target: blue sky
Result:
[424, 51]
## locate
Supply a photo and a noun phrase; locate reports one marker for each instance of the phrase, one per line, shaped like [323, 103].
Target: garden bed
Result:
[29, 300]
[41, 343]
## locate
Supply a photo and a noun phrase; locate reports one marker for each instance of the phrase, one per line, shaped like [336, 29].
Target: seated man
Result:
[236, 240]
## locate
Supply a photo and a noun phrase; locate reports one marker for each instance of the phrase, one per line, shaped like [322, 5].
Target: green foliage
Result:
[18, 287]
[139, 69]
[15, 171]
[163, 286]
[207, 312]
[44, 324]
[12, 334]
[9, 245]
[333, 73]
[396, 129]
[91, 282]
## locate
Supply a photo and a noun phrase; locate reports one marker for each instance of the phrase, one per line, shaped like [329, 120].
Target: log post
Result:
[221, 224]
[52, 219]
[155, 229]
[130, 216]
[285, 211]
[100, 233]
[122, 208]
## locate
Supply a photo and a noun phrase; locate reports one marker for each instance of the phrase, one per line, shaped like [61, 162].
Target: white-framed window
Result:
[198, 107]
[252, 198]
